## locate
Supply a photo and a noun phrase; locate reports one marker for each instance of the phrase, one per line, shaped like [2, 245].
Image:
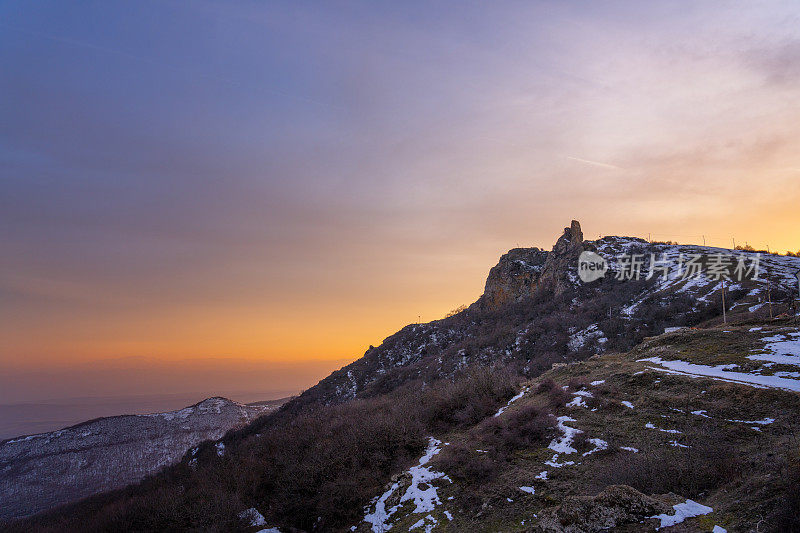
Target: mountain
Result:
[535, 311]
[550, 404]
[40, 471]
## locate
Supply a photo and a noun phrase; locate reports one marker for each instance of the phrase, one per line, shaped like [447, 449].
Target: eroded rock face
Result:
[615, 506]
[516, 275]
[522, 271]
[561, 265]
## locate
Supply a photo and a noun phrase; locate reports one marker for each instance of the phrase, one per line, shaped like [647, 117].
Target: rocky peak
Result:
[570, 240]
[522, 271]
[564, 257]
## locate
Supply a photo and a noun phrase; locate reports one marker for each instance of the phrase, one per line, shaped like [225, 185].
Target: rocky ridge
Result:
[535, 312]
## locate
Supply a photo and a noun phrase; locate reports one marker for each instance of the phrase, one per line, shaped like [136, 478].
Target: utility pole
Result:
[797, 275]
[734, 242]
[704, 240]
[794, 311]
[769, 297]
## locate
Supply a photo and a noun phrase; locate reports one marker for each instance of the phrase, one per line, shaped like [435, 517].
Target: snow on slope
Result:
[780, 348]
[40, 471]
[775, 269]
[420, 491]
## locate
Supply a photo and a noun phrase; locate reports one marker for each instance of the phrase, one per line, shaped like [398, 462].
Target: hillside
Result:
[40, 471]
[535, 311]
[550, 404]
[619, 439]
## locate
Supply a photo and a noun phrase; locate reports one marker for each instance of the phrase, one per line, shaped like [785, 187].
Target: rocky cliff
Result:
[521, 271]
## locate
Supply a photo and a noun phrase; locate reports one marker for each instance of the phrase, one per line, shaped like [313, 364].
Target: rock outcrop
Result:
[522, 271]
[560, 269]
[515, 276]
[615, 506]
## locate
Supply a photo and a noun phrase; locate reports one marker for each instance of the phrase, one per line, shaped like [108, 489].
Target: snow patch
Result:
[425, 499]
[649, 425]
[512, 400]
[599, 445]
[577, 401]
[580, 339]
[782, 349]
[253, 517]
[564, 443]
[720, 374]
[688, 509]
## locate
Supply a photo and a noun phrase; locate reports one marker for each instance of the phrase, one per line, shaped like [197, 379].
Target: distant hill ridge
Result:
[43, 470]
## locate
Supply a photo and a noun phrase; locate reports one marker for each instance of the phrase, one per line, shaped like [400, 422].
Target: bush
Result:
[788, 518]
[685, 471]
[523, 427]
[466, 401]
[546, 386]
[463, 463]
[558, 397]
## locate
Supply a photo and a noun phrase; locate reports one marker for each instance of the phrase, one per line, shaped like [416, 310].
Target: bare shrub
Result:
[526, 426]
[463, 463]
[558, 397]
[788, 515]
[546, 386]
[685, 471]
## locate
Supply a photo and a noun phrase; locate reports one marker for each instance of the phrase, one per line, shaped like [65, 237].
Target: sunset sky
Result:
[258, 191]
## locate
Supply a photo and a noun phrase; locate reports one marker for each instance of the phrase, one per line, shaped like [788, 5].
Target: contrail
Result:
[594, 163]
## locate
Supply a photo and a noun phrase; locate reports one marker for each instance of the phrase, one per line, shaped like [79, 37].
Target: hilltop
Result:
[535, 311]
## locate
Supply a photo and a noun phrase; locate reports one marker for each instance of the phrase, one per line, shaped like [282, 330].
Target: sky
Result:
[248, 194]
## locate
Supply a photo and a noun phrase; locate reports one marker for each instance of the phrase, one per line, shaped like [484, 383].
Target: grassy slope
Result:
[744, 474]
